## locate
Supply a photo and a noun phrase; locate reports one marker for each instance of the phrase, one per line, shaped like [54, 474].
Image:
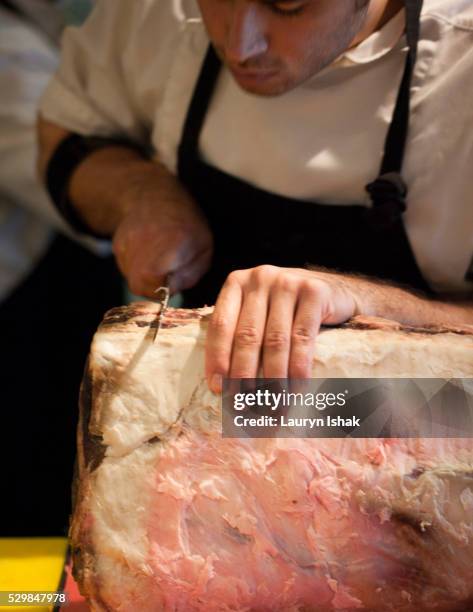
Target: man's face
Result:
[271, 46]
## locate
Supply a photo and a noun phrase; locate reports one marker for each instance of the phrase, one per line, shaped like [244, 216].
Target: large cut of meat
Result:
[171, 516]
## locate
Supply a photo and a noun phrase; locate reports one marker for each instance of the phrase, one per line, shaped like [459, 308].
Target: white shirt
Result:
[133, 66]
[28, 58]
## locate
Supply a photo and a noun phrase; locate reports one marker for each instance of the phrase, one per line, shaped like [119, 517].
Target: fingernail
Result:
[216, 383]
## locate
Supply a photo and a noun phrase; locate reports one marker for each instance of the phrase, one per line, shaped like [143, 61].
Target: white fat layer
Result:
[157, 380]
[121, 500]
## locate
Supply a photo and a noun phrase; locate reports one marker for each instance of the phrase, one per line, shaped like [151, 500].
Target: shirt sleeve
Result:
[98, 89]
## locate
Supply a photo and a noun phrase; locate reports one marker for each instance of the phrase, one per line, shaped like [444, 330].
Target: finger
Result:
[218, 348]
[305, 328]
[249, 333]
[277, 336]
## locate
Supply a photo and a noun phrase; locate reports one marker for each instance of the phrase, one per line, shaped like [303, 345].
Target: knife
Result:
[162, 294]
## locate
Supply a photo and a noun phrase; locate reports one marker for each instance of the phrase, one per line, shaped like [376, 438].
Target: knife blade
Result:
[162, 294]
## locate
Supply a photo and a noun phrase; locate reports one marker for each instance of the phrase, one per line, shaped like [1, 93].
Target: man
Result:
[261, 155]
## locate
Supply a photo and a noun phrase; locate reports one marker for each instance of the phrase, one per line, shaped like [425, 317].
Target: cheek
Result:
[214, 17]
[298, 52]
[312, 46]
[319, 35]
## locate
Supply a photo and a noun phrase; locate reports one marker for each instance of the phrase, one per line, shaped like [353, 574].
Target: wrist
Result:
[379, 299]
[392, 302]
[140, 183]
[151, 185]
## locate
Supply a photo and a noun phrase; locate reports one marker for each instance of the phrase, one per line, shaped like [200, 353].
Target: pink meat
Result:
[171, 516]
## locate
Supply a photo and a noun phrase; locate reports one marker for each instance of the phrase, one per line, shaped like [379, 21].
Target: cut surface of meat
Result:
[171, 516]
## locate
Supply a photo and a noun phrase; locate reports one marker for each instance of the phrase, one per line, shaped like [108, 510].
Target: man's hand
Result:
[272, 315]
[158, 231]
[161, 234]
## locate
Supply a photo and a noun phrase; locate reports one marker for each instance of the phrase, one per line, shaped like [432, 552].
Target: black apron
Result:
[253, 227]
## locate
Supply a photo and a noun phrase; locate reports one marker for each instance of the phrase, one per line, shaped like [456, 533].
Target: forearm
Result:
[381, 299]
[406, 307]
[105, 184]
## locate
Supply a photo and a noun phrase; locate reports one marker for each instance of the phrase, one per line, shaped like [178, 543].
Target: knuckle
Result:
[286, 283]
[313, 287]
[219, 324]
[302, 335]
[261, 274]
[234, 277]
[276, 339]
[247, 336]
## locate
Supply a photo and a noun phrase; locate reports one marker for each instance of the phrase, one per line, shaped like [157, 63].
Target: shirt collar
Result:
[379, 43]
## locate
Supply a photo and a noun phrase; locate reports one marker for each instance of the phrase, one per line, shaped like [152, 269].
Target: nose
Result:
[245, 37]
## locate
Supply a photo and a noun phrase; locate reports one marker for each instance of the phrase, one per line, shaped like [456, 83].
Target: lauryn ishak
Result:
[282, 421]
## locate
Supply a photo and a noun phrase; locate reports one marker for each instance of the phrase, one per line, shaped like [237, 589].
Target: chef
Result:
[299, 161]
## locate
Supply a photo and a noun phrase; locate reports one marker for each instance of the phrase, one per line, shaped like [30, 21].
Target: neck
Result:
[379, 13]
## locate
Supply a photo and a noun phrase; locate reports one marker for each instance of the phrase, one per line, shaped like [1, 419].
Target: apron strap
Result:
[397, 135]
[389, 191]
[197, 111]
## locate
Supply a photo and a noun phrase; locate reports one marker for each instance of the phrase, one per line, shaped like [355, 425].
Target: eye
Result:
[287, 7]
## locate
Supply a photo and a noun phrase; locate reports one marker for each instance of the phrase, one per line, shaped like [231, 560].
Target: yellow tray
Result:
[31, 564]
